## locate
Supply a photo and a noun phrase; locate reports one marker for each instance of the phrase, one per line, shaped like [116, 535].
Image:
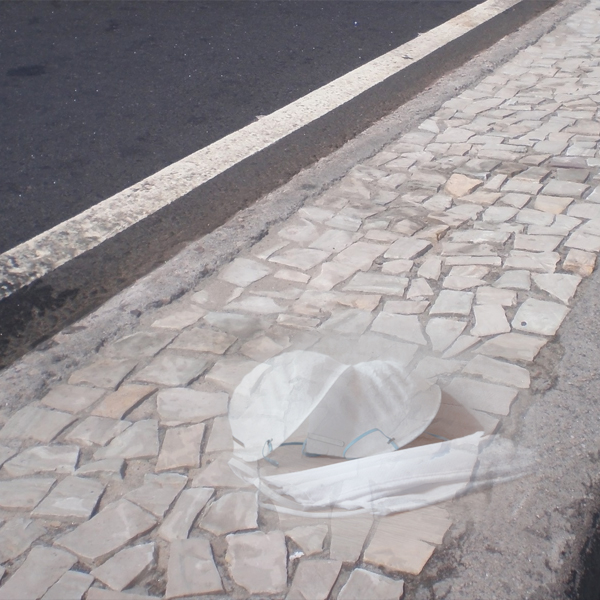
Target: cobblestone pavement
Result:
[457, 250]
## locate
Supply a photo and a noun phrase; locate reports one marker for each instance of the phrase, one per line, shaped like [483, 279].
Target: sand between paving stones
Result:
[365, 269]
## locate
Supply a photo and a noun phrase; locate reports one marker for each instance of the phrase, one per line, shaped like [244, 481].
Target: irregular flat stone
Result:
[181, 405]
[431, 268]
[345, 222]
[220, 439]
[106, 373]
[43, 459]
[499, 214]
[6, 453]
[302, 259]
[35, 423]
[404, 327]
[41, 570]
[518, 279]
[96, 593]
[309, 538]
[498, 371]
[408, 248]
[180, 319]
[71, 398]
[178, 523]
[202, 339]
[460, 185]
[259, 305]
[487, 397]
[236, 511]
[462, 343]
[331, 274]
[289, 275]
[348, 537]
[262, 348]
[375, 283]
[244, 271]
[406, 307]
[544, 262]
[492, 295]
[16, 536]
[419, 288]
[515, 199]
[158, 492]
[228, 373]
[71, 586]
[556, 187]
[580, 262]
[140, 344]
[138, 441]
[74, 498]
[559, 285]
[314, 579]
[299, 230]
[296, 322]
[584, 210]
[431, 367]
[552, 204]
[363, 584]
[181, 448]
[537, 243]
[495, 261]
[513, 346]
[334, 240]
[481, 236]
[350, 321]
[257, 561]
[360, 255]
[405, 542]
[490, 319]
[583, 241]
[539, 316]
[450, 302]
[24, 493]
[118, 404]
[105, 534]
[443, 332]
[126, 567]
[218, 474]
[109, 467]
[97, 430]
[173, 369]
[457, 282]
[192, 570]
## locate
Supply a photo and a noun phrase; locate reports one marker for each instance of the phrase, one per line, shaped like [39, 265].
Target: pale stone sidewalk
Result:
[457, 251]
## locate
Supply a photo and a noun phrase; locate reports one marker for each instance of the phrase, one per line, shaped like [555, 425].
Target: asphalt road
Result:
[95, 96]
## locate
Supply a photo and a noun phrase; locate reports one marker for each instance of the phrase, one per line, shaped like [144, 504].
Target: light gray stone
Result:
[395, 267]
[462, 343]
[450, 302]
[263, 348]
[244, 271]
[513, 346]
[43, 459]
[228, 372]
[499, 214]
[118, 404]
[220, 439]
[192, 570]
[178, 523]
[360, 255]
[583, 241]
[257, 561]
[302, 259]
[71, 398]
[556, 187]
[140, 344]
[218, 474]
[408, 248]
[580, 262]
[96, 593]
[539, 316]
[334, 240]
[350, 321]
[180, 319]
[97, 430]
[404, 327]
[24, 493]
[71, 586]
[348, 537]
[406, 307]
[443, 332]
[111, 468]
[105, 373]
[363, 584]
[498, 371]
[181, 448]
[314, 579]
[172, 369]
[309, 538]
[559, 285]
[458, 185]
[490, 319]
[375, 283]
[492, 295]
[41, 570]
[158, 492]
[544, 262]
[106, 533]
[202, 339]
[138, 441]
[126, 567]
[517, 279]
[298, 230]
[487, 397]
[16, 536]
[6, 453]
[259, 305]
[419, 288]
[236, 511]
[181, 405]
[538, 243]
[35, 423]
[74, 498]
[431, 367]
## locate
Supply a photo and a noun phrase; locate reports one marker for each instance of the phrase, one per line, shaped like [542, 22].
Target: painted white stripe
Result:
[31, 260]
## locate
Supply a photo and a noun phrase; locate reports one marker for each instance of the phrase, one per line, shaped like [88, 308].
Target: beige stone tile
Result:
[172, 369]
[71, 398]
[179, 521]
[141, 344]
[462, 344]
[559, 285]
[515, 279]
[309, 538]
[244, 271]
[497, 371]
[552, 204]
[126, 567]
[443, 332]
[24, 494]
[580, 262]
[450, 302]
[314, 579]
[544, 262]
[118, 404]
[105, 373]
[97, 430]
[364, 584]
[16, 536]
[478, 395]
[43, 459]
[236, 511]
[406, 307]
[177, 406]
[71, 586]
[374, 283]
[303, 259]
[289, 275]
[404, 327]
[180, 319]
[228, 373]
[74, 499]
[539, 316]
[138, 441]
[181, 448]
[348, 537]
[35, 423]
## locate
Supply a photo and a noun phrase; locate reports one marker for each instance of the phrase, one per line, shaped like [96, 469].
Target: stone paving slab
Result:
[457, 250]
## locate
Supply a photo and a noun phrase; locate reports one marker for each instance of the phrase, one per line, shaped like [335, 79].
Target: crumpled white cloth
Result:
[336, 404]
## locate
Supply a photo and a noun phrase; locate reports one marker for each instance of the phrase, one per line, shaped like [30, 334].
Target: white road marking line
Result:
[47, 251]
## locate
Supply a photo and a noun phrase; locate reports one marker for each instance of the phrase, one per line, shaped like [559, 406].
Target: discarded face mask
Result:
[343, 411]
